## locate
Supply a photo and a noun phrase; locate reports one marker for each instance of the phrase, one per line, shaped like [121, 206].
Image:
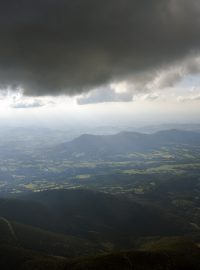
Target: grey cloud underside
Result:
[103, 95]
[70, 46]
[24, 105]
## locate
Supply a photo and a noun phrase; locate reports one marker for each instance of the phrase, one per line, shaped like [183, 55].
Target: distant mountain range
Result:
[161, 127]
[103, 146]
[17, 142]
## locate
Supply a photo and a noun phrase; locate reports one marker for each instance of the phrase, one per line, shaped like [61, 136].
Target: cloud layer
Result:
[50, 47]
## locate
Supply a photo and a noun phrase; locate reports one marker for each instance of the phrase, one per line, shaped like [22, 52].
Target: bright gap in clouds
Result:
[179, 103]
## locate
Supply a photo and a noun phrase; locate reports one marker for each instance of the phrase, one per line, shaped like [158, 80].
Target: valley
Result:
[37, 171]
[74, 199]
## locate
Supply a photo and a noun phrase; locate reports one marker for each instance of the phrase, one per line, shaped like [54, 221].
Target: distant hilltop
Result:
[101, 146]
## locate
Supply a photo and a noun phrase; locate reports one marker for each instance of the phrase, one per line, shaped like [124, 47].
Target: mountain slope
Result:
[91, 215]
[160, 259]
[97, 146]
[37, 240]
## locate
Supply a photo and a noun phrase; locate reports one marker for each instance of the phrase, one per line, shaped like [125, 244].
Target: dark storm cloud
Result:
[70, 46]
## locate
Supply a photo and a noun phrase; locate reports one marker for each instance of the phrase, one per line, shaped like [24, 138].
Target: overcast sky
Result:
[102, 62]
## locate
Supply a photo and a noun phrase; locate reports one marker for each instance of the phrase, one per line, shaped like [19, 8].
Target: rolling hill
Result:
[52, 229]
[107, 146]
[182, 257]
[32, 238]
[91, 215]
